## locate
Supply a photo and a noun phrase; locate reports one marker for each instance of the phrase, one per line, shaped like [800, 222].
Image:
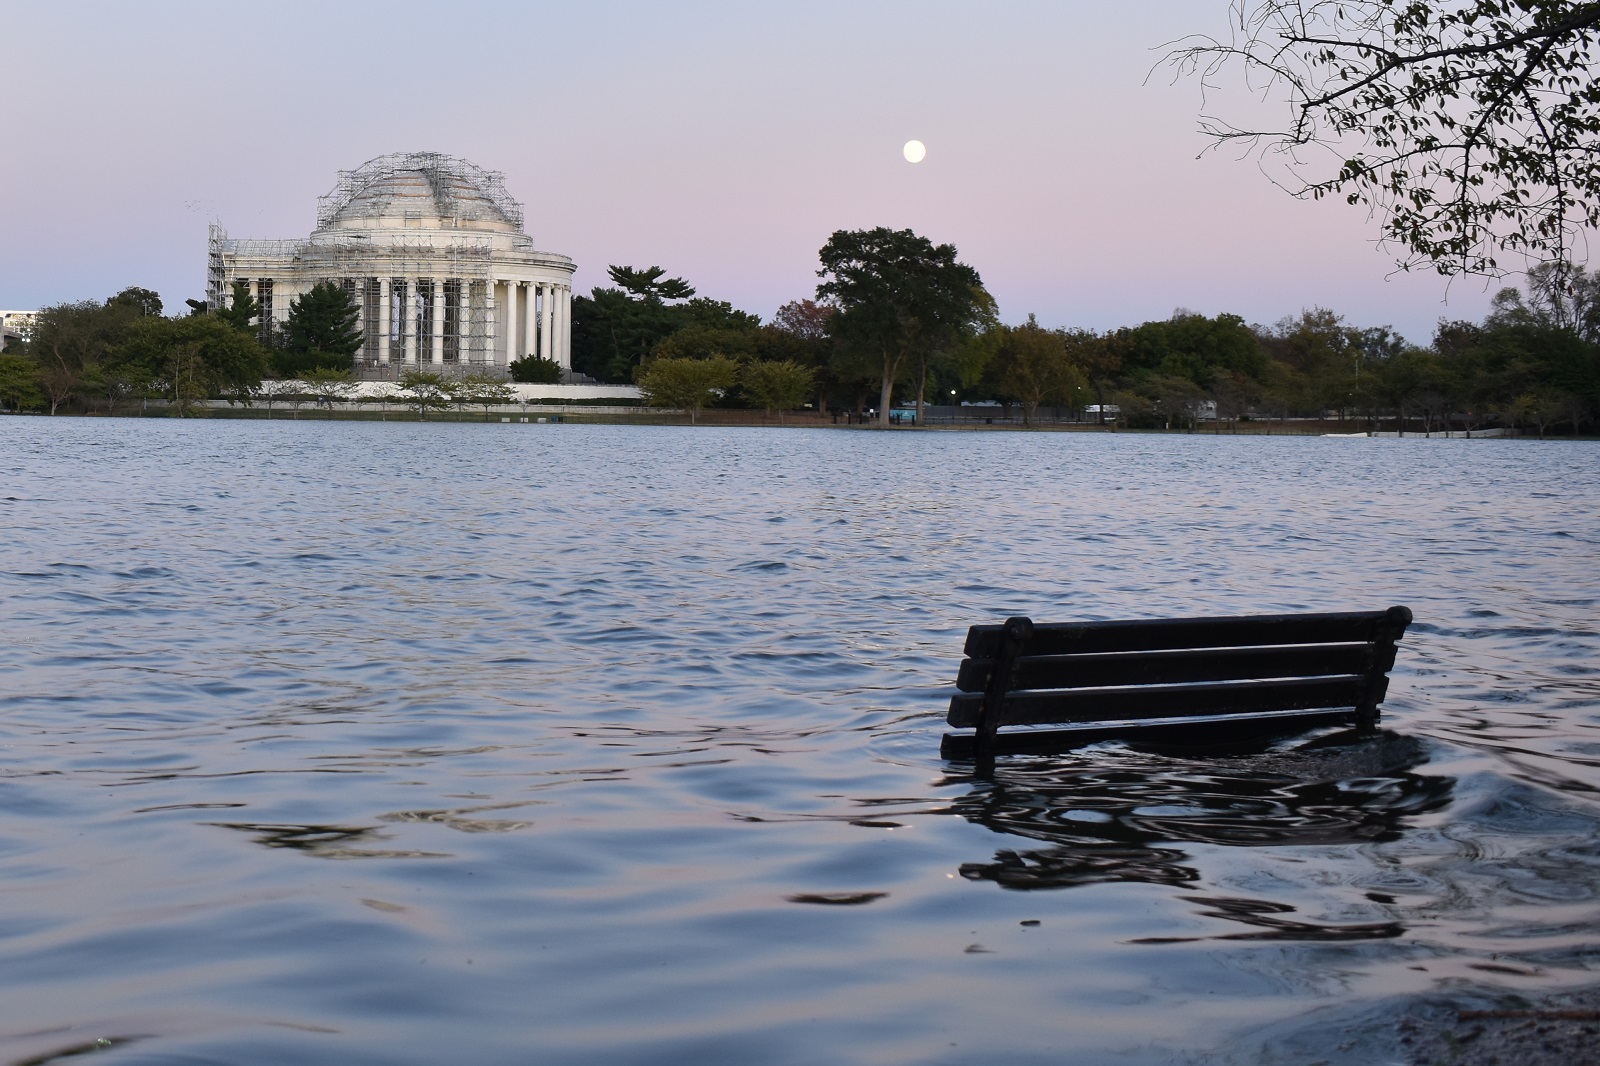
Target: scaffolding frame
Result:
[460, 190]
[460, 263]
[473, 212]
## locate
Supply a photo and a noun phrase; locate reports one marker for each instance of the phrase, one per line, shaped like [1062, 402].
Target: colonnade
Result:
[495, 321]
[544, 311]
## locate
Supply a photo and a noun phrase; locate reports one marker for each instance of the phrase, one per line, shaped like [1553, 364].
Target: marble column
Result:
[408, 321]
[489, 355]
[529, 341]
[437, 356]
[564, 351]
[546, 317]
[383, 321]
[511, 323]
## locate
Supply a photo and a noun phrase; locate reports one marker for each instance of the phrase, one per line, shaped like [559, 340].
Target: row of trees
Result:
[895, 318]
[899, 319]
[95, 354]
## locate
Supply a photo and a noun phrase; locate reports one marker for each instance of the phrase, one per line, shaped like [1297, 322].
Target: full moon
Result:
[914, 151]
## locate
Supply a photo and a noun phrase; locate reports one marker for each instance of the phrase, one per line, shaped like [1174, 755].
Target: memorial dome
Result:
[430, 250]
[419, 190]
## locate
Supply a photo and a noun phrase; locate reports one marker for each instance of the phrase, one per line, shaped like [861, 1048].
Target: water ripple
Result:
[634, 732]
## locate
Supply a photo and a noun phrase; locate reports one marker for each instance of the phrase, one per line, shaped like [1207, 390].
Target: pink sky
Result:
[723, 141]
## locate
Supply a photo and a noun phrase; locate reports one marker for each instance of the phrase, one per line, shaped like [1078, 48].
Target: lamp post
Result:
[954, 410]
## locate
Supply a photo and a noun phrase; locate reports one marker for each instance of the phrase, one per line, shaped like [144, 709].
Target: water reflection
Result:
[1120, 815]
[327, 841]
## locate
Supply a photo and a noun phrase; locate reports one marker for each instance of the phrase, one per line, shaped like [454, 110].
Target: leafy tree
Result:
[649, 286]
[457, 392]
[612, 332]
[1560, 296]
[107, 379]
[242, 308]
[800, 333]
[777, 386]
[187, 360]
[1101, 362]
[383, 394]
[805, 319]
[70, 340]
[1234, 394]
[243, 395]
[276, 391]
[1190, 345]
[1469, 127]
[142, 302]
[1324, 351]
[701, 342]
[323, 328]
[487, 389]
[1034, 368]
[1283, 389]
[294, 394]
[898, 295]
[706, 313]
[1173, 398]
[1575, 409]
[425, 391]
[329, 386]
[532, 370]
[955, 351]
[1416, 380]
[687, 384]
[1540, 408]
[19, 382]
[1545, 338]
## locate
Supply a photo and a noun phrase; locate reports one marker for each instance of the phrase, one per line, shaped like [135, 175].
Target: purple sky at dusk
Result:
[723, 141]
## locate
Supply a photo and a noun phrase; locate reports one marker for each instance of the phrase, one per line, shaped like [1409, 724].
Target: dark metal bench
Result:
[1173, 681]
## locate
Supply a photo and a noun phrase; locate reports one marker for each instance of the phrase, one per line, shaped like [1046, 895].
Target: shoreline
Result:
[611, 415]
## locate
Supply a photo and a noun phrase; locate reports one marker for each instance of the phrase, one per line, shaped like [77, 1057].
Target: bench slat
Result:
[983, 642]
[1099, 669]
[1212, 731]
[1045, 707]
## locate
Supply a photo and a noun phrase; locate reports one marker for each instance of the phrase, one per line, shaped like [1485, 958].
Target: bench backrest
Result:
[1023, 673]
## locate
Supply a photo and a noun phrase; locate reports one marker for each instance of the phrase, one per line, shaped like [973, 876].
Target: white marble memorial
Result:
[432, 249]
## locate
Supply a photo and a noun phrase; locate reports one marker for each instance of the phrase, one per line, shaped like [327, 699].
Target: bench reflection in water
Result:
[1119, 815]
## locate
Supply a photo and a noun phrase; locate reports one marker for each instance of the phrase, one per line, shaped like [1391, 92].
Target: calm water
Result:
[402, 743]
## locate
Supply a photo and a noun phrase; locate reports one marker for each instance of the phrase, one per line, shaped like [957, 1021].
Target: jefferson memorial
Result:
[431, 249]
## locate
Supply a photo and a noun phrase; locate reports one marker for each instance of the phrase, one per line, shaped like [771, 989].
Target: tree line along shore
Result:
[897, 322]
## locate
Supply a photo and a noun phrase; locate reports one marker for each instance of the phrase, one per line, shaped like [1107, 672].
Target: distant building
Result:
[15, 325]
[431, 249]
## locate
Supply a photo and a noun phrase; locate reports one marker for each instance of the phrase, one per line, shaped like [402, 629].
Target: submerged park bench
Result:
[1189, 681]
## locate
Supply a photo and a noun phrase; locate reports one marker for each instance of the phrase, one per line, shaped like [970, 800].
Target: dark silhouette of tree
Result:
[1468, 128]
[322, 331]
[899, 296]
[532, 370]
[141, 302]
[614, 330]
[649, 285]
[242, 307]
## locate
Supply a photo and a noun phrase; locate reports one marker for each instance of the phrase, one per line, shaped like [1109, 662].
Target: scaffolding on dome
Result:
[357, 246]
[461, 189]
